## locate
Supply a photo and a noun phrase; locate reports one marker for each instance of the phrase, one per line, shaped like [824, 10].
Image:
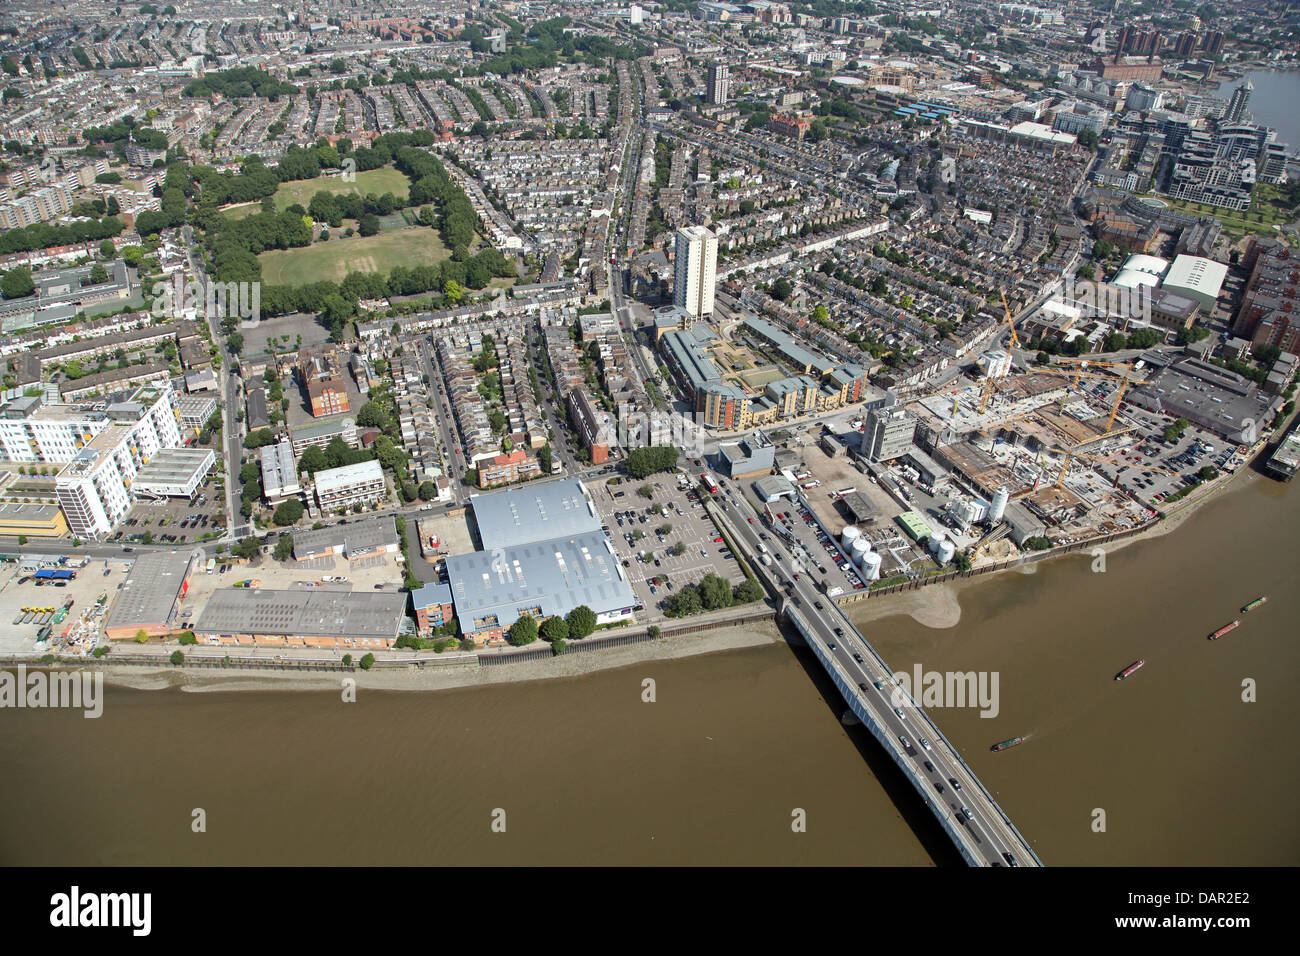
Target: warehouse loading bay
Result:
[19, 591]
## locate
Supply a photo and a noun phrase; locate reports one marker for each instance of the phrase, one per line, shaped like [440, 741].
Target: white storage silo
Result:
[850, 533]
[871, 565]
[859, 547]
[946, 551]
[998, 506]
[936, 538]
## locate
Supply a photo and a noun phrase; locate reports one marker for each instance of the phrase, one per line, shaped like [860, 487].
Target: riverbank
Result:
[448, 676]
[938, 606]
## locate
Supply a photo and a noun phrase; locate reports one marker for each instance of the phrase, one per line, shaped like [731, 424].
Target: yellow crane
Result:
[1013, 343]
[1075, 370]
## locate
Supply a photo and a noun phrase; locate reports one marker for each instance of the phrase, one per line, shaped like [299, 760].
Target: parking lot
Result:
[633, 526]
[1153, 470]
[176, 520]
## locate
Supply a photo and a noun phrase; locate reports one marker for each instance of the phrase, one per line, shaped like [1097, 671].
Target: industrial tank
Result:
[871, 565]
[859, 547]
[946, 550]
[936, 538]
[850, 533]
[998, 507]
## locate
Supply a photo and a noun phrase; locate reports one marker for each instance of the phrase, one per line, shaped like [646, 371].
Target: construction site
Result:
[1001, 461]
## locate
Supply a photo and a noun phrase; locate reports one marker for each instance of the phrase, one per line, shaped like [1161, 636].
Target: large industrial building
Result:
[149, 596]
[1209, 397]
[308, 618]
[544, 553]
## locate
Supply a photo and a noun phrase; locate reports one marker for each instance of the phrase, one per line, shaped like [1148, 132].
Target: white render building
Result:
[361, 483]
[104, 447]
[696, 265]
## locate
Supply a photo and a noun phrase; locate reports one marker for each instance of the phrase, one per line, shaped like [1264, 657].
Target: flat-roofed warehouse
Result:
[518, 515]
[1208, 396]
[309, 618]
[149, 596]
[493, 588]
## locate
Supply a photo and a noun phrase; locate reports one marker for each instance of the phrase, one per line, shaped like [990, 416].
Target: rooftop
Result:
[150, 590]
[554, 575]
[520, 515]
[307, 613]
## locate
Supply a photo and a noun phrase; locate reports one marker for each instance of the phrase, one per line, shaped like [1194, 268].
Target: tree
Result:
[782, 289]
[581, 621]
[367, 662]
[715, 592]
[428, 491]
[17, 284]
[235, 342]
[98, 274]
[284, 548]
[748, 591]
[645, 491]
[177, 657]
[653, 631]
[544, 458]
[554, 629]
[107, 249]
[248, 548]
[312, 461]
[368, 224]
[523, 631]
[372, 415]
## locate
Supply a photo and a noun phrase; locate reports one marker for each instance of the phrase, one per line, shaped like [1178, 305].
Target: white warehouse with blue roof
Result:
[543, 554]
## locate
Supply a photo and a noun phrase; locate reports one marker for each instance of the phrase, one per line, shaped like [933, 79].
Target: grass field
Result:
[1265, 212]
[336, 258]
[377, 181]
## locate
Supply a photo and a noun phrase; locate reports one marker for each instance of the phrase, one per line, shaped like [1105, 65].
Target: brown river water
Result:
[736, 744]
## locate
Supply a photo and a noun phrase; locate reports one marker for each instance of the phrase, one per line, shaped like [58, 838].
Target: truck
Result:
[767, 559]
[212, 565]
[835, 591]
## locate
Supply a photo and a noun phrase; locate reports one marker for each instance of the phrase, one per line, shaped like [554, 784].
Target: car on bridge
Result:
[955, 784]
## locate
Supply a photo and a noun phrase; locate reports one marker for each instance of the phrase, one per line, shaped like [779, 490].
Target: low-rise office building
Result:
[357, 539]
[362, 483]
